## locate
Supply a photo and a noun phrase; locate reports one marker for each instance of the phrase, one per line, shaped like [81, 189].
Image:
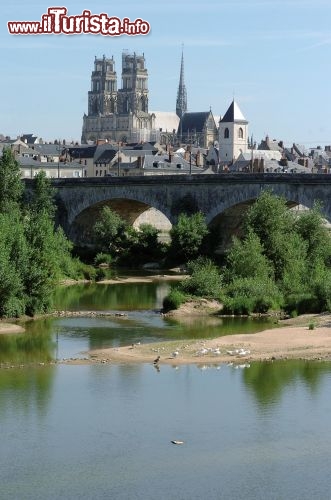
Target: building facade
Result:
[114, 114]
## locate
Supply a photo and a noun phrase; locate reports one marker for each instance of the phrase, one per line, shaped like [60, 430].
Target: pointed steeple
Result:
[181, 102]
[233, 114]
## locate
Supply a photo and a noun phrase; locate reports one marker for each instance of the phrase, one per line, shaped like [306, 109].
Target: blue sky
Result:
[273, 56]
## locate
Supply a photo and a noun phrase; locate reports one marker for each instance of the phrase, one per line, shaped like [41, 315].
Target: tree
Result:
[246, 258]
[110, 231]
[43, 195]
[205, 279]
[143, 243]
[311, 227]
[13, 262]
[11, 186]
[270, 219]
[187, 236]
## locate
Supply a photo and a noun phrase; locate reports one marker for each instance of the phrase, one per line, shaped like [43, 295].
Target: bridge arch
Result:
[246, 195]
[132, 211]
[226, 219]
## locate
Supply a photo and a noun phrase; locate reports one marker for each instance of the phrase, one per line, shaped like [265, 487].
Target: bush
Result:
[248, 295]
[205, 279]
[302, 304]
[173, 300]
[100, 274]
[238, 306]
[102, 258]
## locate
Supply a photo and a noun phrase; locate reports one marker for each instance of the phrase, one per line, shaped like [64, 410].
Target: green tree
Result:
[312, 229]
[143, 243]
[43, 195]
[246, 258]
[187, 236]
[205, 279]
[11, 186]
[270, 219]
[13, 262]
[110, 232]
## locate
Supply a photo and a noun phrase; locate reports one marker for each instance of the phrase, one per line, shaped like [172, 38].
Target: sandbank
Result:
[7, 328]
[290, 341]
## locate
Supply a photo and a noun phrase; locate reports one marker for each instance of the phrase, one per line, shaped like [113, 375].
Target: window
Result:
[240, 133]
[226, 133]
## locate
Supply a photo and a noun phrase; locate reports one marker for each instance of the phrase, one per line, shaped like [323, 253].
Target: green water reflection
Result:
[267, 380]
[26, 390]
[121, 296]
[36, 345]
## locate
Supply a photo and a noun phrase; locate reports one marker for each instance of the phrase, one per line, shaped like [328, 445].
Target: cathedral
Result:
[119, 114]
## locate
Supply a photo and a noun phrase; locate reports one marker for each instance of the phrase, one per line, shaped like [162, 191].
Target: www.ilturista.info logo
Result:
[56, 22]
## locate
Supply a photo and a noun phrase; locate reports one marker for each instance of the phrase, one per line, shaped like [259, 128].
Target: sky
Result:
[271, 56]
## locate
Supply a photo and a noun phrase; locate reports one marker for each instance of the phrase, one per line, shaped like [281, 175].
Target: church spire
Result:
[181, 102]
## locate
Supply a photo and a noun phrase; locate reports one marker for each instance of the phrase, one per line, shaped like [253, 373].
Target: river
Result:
[104, 431]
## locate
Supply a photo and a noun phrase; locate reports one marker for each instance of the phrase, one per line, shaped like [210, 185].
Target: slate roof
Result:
[82, 151]
[105, 154]
[29, 138]
[193, 121]
[178, 164]
[48, 149]
[233, 114]
[271, 166]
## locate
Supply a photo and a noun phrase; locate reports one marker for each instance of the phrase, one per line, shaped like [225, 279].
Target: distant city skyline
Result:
[271, 56]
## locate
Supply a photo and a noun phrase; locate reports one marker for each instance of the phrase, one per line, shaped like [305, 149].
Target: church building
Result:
[119, 114]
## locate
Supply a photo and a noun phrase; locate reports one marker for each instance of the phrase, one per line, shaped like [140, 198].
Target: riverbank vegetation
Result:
[34, 254]
[281, 262]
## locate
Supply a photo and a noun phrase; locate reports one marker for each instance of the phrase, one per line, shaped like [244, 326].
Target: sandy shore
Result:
[7, 328]
[132, 279]
[284, 342]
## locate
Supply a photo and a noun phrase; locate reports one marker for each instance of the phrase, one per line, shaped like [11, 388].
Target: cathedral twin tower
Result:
[119, 114]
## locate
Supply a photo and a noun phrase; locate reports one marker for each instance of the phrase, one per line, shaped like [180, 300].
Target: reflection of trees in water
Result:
[268, 380]
[28, 389]
[107, 297]
[35, 345]
[195, 326]
[31, 385]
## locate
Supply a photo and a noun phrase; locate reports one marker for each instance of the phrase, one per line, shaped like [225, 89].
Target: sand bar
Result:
[284, 342]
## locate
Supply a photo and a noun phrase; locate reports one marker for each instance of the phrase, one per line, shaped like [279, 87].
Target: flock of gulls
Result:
[204, 351]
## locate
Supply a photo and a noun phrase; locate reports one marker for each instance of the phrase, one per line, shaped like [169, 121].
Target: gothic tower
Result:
[119, 114]
[103, 94]
[133, 96]
[181, 102]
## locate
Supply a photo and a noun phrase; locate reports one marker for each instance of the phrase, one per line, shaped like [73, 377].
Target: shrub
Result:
[238, 306]
[102, 258]
[173, 300]
[100, 274]
[205, 279]
[247, 295]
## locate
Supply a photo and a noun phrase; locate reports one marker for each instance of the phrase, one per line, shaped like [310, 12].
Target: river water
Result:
[105, 431]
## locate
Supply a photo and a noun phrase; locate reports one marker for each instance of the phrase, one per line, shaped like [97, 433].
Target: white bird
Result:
[175, 354]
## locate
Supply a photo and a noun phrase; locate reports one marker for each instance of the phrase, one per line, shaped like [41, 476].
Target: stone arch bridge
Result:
[222, 198]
